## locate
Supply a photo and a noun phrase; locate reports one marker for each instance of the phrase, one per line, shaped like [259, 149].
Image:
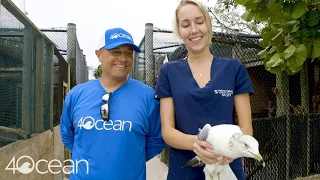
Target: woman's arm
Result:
[243, 110]
[170, 134]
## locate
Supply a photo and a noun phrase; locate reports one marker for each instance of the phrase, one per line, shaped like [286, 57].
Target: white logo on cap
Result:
[120, 35]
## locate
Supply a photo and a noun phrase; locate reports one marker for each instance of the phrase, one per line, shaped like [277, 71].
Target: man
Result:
[112, 124]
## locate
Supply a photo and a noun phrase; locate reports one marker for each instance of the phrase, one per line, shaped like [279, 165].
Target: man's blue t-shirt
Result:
[114, 149]
[195, 106]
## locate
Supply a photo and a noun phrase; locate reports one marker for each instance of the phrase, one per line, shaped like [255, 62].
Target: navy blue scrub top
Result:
[195, 106]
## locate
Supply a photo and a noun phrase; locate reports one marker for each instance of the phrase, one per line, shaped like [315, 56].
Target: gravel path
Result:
[156, 170]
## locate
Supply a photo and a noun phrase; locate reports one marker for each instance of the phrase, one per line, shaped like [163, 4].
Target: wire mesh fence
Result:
[59, 38]
[285, 109]
[10, 71]
[11, 75]
[67, 43]
[60, 86]
[75, 68]
[27, 59]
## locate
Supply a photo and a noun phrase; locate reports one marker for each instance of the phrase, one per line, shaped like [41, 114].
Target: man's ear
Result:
[98, 54]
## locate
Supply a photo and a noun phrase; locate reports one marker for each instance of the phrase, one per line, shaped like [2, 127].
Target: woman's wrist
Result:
[192, 141]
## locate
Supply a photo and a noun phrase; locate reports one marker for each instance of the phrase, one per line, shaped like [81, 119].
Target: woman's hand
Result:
[204, 151]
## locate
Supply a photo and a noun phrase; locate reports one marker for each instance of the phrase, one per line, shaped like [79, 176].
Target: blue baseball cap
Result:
[116, 37]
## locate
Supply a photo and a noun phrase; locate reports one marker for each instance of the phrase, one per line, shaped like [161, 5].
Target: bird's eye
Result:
[246, 145]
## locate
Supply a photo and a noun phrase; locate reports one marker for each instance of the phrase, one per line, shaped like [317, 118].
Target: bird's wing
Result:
[219, 137]
[203, 133]
[226, 129]
[202, 136]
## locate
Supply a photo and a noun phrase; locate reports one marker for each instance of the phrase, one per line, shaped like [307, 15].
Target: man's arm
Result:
[66, 127]
[155, 143]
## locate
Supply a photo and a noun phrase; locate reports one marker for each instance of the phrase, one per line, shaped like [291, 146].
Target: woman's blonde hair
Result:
[203, 9]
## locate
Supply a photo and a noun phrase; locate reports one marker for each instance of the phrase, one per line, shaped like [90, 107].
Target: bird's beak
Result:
[259, 158]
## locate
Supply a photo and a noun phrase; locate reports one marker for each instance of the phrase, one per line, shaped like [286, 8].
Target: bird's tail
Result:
[194, 162]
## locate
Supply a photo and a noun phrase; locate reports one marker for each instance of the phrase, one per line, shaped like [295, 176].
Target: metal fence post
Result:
[142, 66]
[158, 62]
[85, 69]
[71, 52]
[138, 68]
[150, 80]
[283, 109]
[79, 59]
[236, 47]
[304, 82]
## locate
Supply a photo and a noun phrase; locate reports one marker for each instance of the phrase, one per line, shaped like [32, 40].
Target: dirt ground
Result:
[156, 170]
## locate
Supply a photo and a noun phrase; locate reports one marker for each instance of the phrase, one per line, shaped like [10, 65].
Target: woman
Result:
[200, 89]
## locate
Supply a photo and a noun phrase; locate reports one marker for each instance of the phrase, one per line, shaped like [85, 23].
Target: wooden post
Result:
[39, 79]
[27, 81]
[0, 11]
[48, 110]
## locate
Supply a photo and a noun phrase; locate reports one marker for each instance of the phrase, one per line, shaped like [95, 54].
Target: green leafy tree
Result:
[98, 72]
[291, 34]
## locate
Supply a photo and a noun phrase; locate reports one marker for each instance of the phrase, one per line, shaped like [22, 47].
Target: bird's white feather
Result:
[226, 173]
[219, 137]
